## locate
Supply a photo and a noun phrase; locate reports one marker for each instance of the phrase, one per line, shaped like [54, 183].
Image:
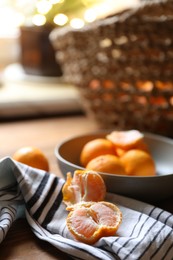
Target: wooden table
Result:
[20, 242]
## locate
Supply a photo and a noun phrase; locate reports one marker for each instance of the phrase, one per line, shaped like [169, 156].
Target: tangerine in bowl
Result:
[149, 178]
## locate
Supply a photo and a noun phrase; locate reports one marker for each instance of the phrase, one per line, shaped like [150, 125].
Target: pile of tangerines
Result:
[120, 152]
[90, 216]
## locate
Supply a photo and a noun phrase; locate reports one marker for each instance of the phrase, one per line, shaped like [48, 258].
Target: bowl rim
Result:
[151, 135]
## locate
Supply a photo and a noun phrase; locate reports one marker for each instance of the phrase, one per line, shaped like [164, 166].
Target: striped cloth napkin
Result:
[146, 231]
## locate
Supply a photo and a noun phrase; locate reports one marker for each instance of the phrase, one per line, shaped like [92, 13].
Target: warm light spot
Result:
[95, 84]
[56, 1]
[60, 19]
[158, 101]
[141, 100]
[146, 86]
[104, 8]
[77, 23]
[121, 40]
[19, 19]
[116, 53]
[108, 7]
[90, 15]
[167, 86]
[108, 84]
[43, 7]
[171, 101]
[10, 20]
[39, 19]
[105, 43]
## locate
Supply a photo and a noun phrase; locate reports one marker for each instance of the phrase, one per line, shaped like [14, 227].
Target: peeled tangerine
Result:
[83, 186]
[90, 221]
[90, 218]
[127, 140]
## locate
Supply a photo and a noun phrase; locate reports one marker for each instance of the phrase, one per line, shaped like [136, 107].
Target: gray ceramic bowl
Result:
[148, 188]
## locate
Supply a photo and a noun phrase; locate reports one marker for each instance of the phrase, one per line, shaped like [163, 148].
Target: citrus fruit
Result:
[90, 221]
[138, 162]
[140, 145]
[32, 156]
[94, 148]
[83, 186]
[125, 139]
[106, 163]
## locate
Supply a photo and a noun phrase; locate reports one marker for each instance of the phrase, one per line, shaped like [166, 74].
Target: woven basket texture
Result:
[123, 67]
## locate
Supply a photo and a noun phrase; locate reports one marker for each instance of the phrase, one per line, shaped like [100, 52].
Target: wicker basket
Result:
[123, 67]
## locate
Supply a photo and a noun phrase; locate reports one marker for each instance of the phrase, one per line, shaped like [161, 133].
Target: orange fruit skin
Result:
[32, 156]
[139, 163]
[126, 140]
[107, 163]
[88, 222]
[83, 186]
[140, 145]
[94, 148]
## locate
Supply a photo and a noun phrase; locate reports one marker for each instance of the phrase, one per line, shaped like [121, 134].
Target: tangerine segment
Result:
[83, 186]
[32, 156]
[107, 163]
[125, 139]
[94, 148]
[90, 221]
[139, 163]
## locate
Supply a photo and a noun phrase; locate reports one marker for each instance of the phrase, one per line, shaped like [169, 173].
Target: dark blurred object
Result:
[37, 53]
[123, 67]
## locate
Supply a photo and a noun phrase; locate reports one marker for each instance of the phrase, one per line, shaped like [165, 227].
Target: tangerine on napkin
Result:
[146, 232]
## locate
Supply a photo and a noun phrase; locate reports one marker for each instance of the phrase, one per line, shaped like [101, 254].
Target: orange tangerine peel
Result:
[90, 221]
[83, 186]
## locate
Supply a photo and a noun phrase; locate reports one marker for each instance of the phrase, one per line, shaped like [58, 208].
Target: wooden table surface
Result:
[20, 242]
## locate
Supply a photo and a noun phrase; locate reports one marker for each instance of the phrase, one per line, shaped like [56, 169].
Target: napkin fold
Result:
[146, 232]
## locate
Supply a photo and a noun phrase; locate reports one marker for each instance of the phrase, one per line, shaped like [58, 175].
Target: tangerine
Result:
[83, 186]
[90, 221]
[107, 163]
[138, 162]
[32, 156]
[140, 145]
[126, 139]
[94, 148]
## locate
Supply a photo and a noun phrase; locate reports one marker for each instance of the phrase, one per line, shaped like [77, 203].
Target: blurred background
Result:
[31, 81]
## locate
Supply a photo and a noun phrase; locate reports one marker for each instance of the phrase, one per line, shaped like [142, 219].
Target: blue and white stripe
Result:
[146, 231]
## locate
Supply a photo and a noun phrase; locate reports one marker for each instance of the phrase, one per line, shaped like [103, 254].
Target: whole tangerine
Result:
[107, 163]
[140, 145]
[94, 148]
[32, 156]
[139, 163]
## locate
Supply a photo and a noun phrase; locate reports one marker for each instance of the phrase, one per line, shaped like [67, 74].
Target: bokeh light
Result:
[60, 19]
[39, 19]
[77, 23]
[90, 15]
[43, 6]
